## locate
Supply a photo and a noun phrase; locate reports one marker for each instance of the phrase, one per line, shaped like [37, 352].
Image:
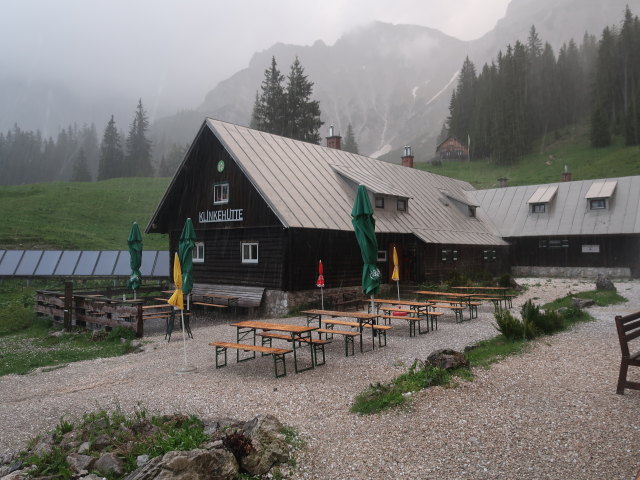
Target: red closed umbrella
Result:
[320, 282]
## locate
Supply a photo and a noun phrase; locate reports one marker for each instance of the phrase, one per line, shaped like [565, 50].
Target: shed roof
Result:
[543, 194]
[310, 186]
[601, 189]
[570, 214]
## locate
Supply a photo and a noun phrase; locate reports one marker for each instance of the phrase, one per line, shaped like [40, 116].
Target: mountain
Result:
[393, 83]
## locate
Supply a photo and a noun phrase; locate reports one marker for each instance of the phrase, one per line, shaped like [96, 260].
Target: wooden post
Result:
[139, 323]
[68, 305]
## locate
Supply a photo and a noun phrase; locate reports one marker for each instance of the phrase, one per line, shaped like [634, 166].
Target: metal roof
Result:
[104, 263]
[601, 189]
[543, 194]
[310, 186]
[569, 214]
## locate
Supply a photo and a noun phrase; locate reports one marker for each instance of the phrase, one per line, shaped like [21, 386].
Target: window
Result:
[538, 207]
[542, 244]
[449, 255]
[382, 255]
[558, 243]
[472, 211]
[402, 205]
[489, 255]
[379, 202]
[197, 253]
[249, 252]
[597, 204]
[220, 193]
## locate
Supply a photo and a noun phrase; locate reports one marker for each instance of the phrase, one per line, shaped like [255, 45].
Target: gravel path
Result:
[550, 413]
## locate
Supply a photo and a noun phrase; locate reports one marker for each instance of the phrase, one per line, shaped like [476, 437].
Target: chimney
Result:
[334, 141]
[407, 158]
[566, 174]
[502, 182]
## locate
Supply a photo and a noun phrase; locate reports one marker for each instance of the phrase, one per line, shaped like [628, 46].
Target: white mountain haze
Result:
[393, 83]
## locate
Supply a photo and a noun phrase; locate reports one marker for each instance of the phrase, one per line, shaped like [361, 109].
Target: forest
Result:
[527, 94]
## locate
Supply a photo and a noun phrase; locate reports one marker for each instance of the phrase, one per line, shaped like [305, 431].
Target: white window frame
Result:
[598, 201]
[197, 254]
[224, 194]
[404, 202]
[379, 202]
[538, 208]
[382, 256]
[250, 258]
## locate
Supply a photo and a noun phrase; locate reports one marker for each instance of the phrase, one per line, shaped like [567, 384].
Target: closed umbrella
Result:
[395, 276]
[135, 254]
[320, 283]
[185, 248]
[364, 227]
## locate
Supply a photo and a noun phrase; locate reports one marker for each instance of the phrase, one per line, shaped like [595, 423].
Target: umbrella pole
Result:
[186, 368]
[322, 297]
[398, 284]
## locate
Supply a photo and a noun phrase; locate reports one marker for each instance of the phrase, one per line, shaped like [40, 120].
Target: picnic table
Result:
[502, 291]
[420, 308]
[459, 297]
[299, 334]
[363, 319]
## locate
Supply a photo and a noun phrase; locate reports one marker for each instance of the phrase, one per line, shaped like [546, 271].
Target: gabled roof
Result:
[310, 186]
[509, 211]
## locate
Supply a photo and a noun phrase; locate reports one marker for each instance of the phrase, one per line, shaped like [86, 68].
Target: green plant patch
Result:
[493, 350]
[602, 298]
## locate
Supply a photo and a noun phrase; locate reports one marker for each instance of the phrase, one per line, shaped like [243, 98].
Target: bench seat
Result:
[278, 354]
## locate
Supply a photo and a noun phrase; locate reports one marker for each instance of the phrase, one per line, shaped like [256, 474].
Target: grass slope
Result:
[75, 216]
[547, 164]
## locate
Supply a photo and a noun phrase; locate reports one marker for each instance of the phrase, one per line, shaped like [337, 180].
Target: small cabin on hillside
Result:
[570, 228]
[452, 149]
[266, 209]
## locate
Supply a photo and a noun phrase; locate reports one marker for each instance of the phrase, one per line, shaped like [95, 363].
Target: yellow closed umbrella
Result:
[177, 299]
[395, 276]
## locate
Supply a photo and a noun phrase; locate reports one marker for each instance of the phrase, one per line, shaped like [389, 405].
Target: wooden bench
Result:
[278, 354]
[348, 335]
[317, 343]
[628, 329]
[381, 330]
[350, 299]
[248, 297]
[456, 309]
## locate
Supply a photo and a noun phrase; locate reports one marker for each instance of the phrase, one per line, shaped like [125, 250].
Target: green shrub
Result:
[509, 326]
[505, 280]
[117, 333]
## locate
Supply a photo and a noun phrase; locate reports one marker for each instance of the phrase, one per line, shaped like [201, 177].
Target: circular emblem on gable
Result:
[221, 166]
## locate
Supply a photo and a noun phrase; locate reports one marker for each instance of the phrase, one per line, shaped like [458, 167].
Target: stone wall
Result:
[570, 272]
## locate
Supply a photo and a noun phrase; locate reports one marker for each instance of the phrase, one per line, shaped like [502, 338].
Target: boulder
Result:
[582, 302]
[7, 468]
[109, 463]
[604, 283]
[78, 462]
[16, 475]
[447, 359]
[192, 465]
[269, 445]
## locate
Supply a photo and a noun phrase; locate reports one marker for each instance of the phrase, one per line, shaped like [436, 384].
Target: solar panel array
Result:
[85, 263]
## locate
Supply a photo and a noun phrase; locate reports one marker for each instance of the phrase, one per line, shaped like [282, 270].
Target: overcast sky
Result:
[180, 49]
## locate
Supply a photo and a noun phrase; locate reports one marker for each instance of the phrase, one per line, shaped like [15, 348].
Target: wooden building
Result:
[570, 228]
[267, 208]
[452, 149]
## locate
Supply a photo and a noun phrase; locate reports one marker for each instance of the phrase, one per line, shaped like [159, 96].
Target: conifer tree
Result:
[138, 155]
[111, 155]
[350, 144]
[268, 110]
[81, 168]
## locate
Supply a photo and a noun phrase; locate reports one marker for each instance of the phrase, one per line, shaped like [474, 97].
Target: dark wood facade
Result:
[452, 149]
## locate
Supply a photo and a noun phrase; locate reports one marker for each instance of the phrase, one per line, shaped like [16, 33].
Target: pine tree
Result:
[138, 157]
[600, 133]
[350, 144]
[111, 155]
[462, 102]
[81, 168]
[268, 111]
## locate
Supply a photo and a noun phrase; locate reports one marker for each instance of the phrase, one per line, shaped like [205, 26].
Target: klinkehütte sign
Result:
[228, 215]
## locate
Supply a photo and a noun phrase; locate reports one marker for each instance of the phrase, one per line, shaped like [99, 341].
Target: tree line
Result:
[76, 154]
[528, 93]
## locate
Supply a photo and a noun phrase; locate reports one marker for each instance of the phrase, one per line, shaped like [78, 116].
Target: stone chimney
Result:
[334, 141]
[407, 158]
[566, 174]
[502, 182]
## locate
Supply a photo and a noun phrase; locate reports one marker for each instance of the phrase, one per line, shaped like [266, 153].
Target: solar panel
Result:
[68, 262]
[10, 261]
[148, 262]
[162, 264]
[106, 262]
[29, 262]
[48, 262]
[87, 263]
[123, 268]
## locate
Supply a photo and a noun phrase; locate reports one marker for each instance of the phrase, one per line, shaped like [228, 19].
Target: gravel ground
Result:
[550, 413]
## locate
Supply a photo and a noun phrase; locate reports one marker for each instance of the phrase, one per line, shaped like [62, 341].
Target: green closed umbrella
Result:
[364, 227]
[135, 252]
[185, 247]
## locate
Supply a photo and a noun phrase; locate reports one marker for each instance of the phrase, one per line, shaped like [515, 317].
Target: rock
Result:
[447, 359]
[57, 333]
[8, 468]
[192, 465]
[269, 446]
[101, 442]
[16, 475]
[109, 463]
[212, 426]
[468, 348]
[604, 283]
[141, 460]
[78, 462]
[84, 447]
[70, 440]
[44, 444]
[92, 476]
[582, 302]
